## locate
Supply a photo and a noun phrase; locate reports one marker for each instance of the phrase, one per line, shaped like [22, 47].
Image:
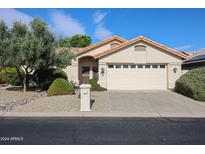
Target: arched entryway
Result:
[88, 69]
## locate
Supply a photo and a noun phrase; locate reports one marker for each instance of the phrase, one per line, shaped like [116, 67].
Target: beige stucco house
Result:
[119, 64]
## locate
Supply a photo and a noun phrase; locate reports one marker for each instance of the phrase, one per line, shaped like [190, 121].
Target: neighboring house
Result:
[195, 60]
[119, 64]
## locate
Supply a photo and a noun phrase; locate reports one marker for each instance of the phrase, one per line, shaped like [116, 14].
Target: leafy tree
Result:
[16, 39]
[75, 41]
[10, 44]
[63, 42]
[4, 42]
[38, 49]
[80, 40]
[32, 48]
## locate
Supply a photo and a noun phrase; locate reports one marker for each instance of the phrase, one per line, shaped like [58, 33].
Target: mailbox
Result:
[85, 97]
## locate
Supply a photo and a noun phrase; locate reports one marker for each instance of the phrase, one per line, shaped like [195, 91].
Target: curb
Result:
[95, 114]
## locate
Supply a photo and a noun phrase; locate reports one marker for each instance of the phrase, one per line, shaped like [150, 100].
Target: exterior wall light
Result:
[175, 70]
[102, 71]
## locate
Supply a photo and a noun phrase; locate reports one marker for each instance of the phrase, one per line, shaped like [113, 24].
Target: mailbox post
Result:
[85, 97]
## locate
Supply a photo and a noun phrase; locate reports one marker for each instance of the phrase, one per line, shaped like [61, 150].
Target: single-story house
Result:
[119, 64]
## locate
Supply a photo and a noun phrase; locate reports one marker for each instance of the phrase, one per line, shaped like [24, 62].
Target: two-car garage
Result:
[137, 77]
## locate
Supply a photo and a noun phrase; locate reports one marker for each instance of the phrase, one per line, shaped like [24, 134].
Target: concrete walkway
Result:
[115, 104]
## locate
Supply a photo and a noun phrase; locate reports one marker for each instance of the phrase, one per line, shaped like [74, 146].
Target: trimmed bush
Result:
[10, 76]
[192, 84]
[95, 86]
[60, 86]
[45, 77]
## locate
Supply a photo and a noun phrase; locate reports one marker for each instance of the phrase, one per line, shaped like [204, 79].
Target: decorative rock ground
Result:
[11, 99]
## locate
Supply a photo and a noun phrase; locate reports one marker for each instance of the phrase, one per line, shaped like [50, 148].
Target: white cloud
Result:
[11, 15]
[102, 32]
[99, 16]
[185, 47]
[65, 25]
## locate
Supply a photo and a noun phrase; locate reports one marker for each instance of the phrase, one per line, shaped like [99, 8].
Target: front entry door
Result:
[85, 75]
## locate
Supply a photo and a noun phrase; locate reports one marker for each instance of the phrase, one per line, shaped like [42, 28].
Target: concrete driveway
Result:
[148, 103]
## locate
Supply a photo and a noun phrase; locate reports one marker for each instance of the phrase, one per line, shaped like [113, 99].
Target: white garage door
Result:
[136, 77]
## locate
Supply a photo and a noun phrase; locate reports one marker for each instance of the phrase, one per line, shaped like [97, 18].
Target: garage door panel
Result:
[136, 79]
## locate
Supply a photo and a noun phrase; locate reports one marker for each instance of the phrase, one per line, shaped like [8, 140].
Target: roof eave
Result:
[140, 38]
[101, 43]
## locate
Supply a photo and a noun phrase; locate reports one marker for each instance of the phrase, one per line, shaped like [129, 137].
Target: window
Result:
[117, 66]
[162, 66]
[132, 66]
[110, 66]
[125, 66]
[140, 48]
[154, 66]
[140, 66]
[85, 70]
[147, 66]
[113, 45]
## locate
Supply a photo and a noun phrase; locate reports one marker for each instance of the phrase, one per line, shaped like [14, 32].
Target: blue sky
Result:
[182, 29]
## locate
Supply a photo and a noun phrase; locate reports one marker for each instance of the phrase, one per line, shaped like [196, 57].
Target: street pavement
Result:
[92, 131]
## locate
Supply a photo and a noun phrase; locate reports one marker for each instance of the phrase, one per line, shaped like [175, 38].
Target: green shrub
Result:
[45, 77]
[9, 75]
[95, 86]
[60, 86]
[192, 84]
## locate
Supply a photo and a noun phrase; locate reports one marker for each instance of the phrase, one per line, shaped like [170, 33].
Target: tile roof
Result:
[196, 57]
[82, 50]
[199, 52]
[140, 38]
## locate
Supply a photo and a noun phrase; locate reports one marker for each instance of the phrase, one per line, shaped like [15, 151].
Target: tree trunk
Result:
[25, 80]
[24, 83]
[20, 76]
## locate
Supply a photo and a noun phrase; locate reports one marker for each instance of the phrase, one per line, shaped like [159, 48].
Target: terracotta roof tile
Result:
[140, 38]
[199, 52]
[82, 50]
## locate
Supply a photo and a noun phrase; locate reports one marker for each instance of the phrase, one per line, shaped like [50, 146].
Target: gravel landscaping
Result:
[12, 97]
[64, 103]
[14, 100]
